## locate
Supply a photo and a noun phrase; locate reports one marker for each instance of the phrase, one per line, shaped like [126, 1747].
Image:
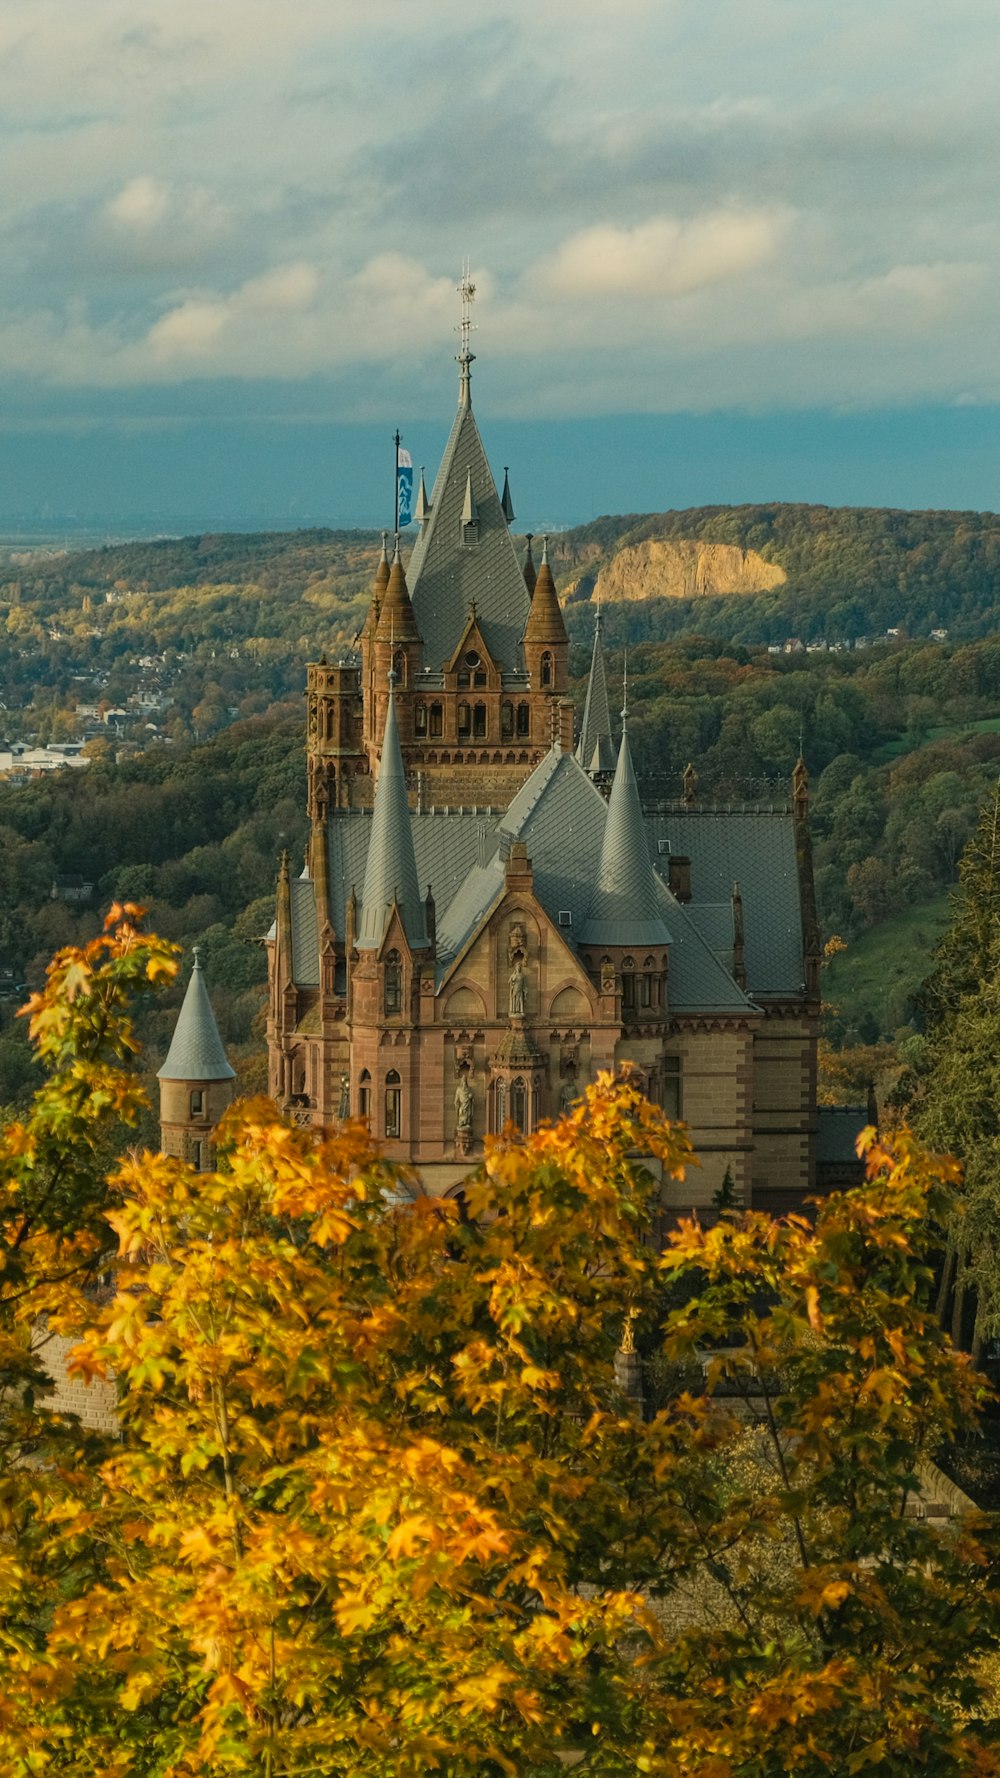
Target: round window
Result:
[472, 658]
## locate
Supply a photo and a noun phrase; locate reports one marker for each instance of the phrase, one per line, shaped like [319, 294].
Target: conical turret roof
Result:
[530, 574]
[545, 619]
[396, 620]
[448, 571]
[595, 750]
[196, 1051]
[391, 866]
[625, 906]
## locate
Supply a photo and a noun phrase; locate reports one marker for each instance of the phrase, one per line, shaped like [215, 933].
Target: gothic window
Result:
[501, 1097]
[420, 719]
[464, 721]
[436, 721]
[479, 721]
[672, 1086]
[628, 984]
[197, 1102]
[393, 1104]
[546, 669]
[364, 1094]
[399, 666]
[506, 720]
[393, 983]
[518, 1104]
[524, 719]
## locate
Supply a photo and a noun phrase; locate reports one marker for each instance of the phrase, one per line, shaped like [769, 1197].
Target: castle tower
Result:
[196, 1080]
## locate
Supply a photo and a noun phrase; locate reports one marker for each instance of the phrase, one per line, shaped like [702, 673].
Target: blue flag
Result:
[404, 488]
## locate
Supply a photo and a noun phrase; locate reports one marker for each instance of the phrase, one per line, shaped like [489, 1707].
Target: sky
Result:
[724, 250]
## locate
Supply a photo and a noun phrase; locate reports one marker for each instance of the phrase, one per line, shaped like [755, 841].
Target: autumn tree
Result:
[380, 1507]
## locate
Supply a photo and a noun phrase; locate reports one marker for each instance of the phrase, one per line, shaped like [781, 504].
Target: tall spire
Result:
[391, 868]
[506, 498]
[545, 619]
[596, 750]
[196, 1051]
[397, 622]
[423, 507]
[625, 906]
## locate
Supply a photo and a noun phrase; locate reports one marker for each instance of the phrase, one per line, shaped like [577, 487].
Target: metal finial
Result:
[625, 691]
[467, 291]
[196, 953]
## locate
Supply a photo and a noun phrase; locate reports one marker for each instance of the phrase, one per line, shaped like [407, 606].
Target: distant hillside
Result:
[815, 571]
[747, 573]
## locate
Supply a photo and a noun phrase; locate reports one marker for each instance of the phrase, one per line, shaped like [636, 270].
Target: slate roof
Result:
[445, 576]
[562, 819]
[196, 1051]
[624, 907]
[391, 865]
[837, 1130]
[595, 749]
[755, 848]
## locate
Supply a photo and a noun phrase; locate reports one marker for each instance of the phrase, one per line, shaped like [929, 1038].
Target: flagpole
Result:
[396, 487]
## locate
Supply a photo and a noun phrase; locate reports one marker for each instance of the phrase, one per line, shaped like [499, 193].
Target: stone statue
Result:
[568, 1094]
[516, 984]
[463, 1105]
[344, 1108]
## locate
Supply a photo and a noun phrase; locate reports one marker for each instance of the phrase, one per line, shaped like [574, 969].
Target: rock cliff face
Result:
[685, 570]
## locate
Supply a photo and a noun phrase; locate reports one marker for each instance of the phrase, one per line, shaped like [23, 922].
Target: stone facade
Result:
[472, 980]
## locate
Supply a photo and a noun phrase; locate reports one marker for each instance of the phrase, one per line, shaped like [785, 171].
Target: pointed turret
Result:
[397, 622]
[196, 1051]
[530, 576]
[382, 571]
[625, 906]
[196, 1080]
[596, 749]
[470, 516]
[506, 500]
[423, 507]
[545, 619]
[391, 868]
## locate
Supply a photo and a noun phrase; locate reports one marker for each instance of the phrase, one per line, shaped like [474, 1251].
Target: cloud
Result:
[198, 327]
[661, 257]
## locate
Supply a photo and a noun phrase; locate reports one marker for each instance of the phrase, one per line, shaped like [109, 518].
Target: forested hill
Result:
[840, 572]
[749, 573]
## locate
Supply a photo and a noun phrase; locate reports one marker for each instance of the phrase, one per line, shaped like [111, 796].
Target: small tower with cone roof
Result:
[596, 749]
[196, 1080]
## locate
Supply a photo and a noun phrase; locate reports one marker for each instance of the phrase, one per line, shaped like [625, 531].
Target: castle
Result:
[488, 915]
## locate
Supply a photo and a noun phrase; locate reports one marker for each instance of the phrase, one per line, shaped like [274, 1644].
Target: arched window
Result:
[399, 666]
[436, 721]
[524, 719]
[506, 720]
[464, 721]
[501, 1118]
[420, 719]
[364, 1094]
[479, 721]
[393, 983]
[628, 984]
[546, 669]
[518, 1104]
[393, 1104]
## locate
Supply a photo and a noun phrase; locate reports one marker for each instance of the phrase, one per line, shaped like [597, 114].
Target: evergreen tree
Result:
[954, 1082]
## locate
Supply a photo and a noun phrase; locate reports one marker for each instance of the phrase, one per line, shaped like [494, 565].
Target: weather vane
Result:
[467, 291]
